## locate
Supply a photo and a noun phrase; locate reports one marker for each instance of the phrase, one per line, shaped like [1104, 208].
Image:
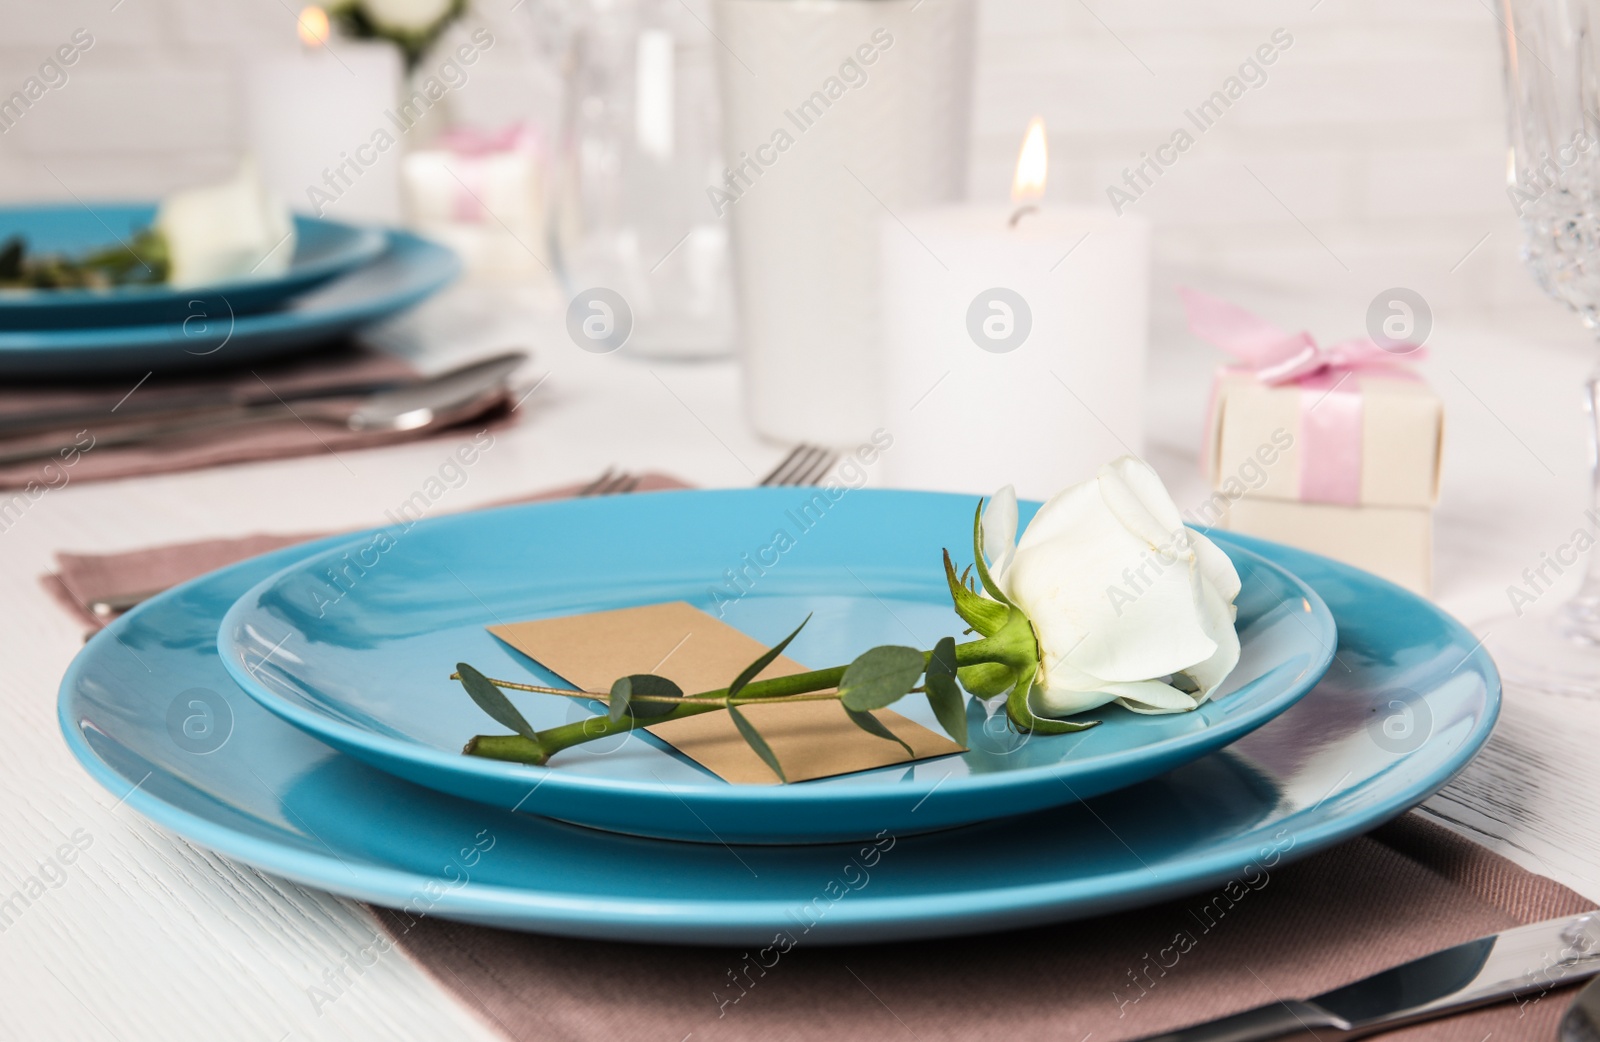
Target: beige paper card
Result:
[699, 653]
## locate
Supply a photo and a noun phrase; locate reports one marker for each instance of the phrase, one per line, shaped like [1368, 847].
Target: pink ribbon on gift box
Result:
[471, 145]
[1329, 379]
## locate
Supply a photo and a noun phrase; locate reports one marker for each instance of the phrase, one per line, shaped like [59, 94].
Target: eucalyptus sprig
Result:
[141, 260]
[1003, 660]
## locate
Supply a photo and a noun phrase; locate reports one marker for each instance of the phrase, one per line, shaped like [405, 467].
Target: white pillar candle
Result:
[321, 125]
[1014, 351]
[833, 111]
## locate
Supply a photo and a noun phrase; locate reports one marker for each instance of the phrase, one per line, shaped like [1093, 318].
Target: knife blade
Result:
[1524, 961]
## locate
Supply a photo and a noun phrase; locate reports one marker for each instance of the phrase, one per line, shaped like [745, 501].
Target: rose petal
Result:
[1216, 566]
[1152, 697]
[1000, 532]
[1057, 703]
[1100, 599]
[1135, 494]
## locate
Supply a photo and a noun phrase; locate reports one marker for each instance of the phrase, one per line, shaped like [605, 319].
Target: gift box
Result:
[1333, 449]
[481, 194]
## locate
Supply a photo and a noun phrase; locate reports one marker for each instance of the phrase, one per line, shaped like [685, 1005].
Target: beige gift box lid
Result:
[1253, 445]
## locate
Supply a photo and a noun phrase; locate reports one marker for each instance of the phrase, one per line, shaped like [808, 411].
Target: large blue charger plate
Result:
[409, 270]
[149, 710]
[323, 249]
[355, 645]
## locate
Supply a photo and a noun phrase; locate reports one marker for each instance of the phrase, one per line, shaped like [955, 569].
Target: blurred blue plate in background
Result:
[214, 336]
[323, 249]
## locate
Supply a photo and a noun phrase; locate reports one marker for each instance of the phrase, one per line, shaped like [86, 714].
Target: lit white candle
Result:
[1014, 340]
[321, 125]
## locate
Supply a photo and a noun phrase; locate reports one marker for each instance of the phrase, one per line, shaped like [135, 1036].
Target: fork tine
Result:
[825, 459]
[801, 464]
[775, 475]
[593, 488]
[618, 483]
[626, 483]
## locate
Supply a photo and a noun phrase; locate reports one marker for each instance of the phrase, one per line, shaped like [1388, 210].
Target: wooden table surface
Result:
[145, 936]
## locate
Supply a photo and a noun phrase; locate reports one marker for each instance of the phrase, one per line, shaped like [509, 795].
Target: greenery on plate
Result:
[1004, 660]
[142, 261]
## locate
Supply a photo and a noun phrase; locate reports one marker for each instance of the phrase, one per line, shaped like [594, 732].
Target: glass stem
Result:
[1583, 611]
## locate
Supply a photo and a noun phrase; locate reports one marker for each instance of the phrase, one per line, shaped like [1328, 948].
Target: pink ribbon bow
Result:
[1329, 378]
[472, 145]
[474, 141]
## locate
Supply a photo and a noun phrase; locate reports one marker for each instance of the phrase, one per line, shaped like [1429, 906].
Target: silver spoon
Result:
[434, 401]
[1582, 1020]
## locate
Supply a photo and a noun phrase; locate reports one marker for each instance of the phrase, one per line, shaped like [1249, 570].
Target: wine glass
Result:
[1552, 76]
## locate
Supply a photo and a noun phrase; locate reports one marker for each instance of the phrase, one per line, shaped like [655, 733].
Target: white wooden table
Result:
[147, 937]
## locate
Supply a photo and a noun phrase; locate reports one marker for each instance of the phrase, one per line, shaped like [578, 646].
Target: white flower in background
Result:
[406, 16]
[1125, 604]
[227, 231]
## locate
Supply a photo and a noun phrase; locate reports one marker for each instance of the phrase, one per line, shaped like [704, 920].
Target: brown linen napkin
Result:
[1407, 889]
[82, 579]
[326, 368]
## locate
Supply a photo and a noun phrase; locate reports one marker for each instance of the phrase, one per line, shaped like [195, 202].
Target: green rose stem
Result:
[797, 687]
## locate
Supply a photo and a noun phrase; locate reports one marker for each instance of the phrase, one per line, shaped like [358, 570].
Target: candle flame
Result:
[313, 26]
[1031, 162]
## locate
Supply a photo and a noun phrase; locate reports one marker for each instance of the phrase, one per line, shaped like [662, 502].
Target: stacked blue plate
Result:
[340, 279]
[323, 743]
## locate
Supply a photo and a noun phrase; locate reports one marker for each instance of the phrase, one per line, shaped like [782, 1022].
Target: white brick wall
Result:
[1380, 128]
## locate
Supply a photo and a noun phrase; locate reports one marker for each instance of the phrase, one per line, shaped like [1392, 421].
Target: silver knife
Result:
[1524, 963]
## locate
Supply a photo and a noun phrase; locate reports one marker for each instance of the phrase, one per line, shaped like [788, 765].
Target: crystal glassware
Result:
[639, 142]
[1552, 75]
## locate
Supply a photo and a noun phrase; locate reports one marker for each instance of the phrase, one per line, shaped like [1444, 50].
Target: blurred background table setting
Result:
[538, 309]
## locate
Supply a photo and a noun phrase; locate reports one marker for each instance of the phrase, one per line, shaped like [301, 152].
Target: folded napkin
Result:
[80, 580]
[1403, 891]
[322, 370]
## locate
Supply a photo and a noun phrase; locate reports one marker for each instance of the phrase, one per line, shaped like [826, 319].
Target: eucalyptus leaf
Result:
[944, 696]
[873, 726]
[754, 669]
[980, 564]
[491, 700]
[624, 690]
[758, 743]
[880, 676]
[981, 613]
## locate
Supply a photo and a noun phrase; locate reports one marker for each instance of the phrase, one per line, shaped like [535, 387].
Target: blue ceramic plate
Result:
[409, 270]
[153, 716]
[356, 646]
[322, 250]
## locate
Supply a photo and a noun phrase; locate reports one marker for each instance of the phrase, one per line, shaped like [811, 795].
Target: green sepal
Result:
[987, 679]
[982, 614]
[1022, 717]
[982, 566]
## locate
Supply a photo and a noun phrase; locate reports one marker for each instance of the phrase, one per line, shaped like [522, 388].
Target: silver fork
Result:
[611, 482]
[805, 465]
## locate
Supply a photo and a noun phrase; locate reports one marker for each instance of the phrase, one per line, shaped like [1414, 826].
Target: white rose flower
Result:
[1124, 602]
[1120, 594]
[406, 16]
[226, 231]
